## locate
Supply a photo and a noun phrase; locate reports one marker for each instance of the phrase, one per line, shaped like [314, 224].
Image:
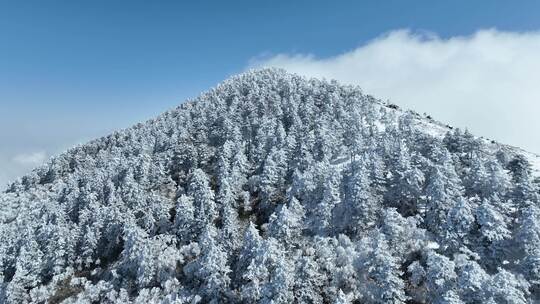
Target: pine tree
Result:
[28, 272]
[406, 182]
[383, 270]
[440, 277]
[203, 199]
[459, 223]
[323, 210]
[443, 191]
[211, 268]
[287, 224]
[309, 280]
[505, 287]
[494, 228]
[528, 240]
[361, 205]
[472, 282]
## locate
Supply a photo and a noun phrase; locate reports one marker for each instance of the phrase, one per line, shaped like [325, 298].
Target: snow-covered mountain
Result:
[273, 188]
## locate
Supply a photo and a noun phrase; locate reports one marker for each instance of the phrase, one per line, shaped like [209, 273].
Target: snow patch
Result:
[535, 163]
[432, 245]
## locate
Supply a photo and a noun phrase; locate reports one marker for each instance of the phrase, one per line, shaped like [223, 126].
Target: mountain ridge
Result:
[534, 158]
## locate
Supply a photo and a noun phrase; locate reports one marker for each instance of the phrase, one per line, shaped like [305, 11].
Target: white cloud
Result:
[12, 167]
[31, 159]
[488, 82]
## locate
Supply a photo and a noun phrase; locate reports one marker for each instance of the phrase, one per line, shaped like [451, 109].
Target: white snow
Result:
[535, 163]
[432, 245]
[437, 129]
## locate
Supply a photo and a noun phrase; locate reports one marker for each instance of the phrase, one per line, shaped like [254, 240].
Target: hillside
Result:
[273, 188]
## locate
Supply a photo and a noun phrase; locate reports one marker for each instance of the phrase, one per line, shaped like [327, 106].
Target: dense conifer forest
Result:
[274, 188]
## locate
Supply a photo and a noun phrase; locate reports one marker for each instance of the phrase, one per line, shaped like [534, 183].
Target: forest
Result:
[275, 188]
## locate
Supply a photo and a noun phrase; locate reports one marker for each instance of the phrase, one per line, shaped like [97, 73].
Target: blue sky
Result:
[74, 70]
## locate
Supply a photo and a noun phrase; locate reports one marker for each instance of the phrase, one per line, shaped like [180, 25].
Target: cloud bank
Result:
[18, 164]
[488, 82]
[31, 159]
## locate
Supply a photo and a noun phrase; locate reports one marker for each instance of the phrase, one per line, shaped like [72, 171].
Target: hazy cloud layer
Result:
[488, 82]
[31, 159]
[16, 165]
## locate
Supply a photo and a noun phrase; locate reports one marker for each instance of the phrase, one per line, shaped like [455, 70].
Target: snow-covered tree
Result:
[440, 277]
[384, 283]
[323, 210]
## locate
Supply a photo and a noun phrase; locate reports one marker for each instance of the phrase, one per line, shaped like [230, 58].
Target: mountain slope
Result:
[275, 188]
